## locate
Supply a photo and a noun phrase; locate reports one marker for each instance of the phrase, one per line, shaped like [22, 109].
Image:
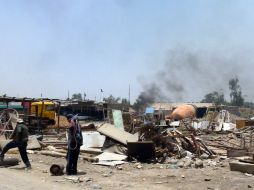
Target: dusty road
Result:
[17, 178]
[128, 176]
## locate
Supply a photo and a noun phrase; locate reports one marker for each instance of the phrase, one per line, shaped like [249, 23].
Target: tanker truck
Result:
[182, 112]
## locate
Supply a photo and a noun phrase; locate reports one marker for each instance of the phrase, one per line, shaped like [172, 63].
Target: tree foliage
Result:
[235, 92]
[116, 100]
[125, 101]
[214, 97]
[77, 96]
[112, 100]
[235, 95]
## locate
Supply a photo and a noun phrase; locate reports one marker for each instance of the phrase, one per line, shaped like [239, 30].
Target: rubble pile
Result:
[220, 143]
[185, 143]
[173, 143]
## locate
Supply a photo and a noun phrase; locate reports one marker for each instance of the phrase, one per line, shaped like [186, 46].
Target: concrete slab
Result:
[120, 136]
[242, 167]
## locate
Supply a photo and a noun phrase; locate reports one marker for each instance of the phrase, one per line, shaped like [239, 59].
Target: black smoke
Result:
[187, 75]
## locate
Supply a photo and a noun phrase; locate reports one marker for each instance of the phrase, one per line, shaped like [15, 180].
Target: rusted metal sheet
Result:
[244, 123]
[141, 150]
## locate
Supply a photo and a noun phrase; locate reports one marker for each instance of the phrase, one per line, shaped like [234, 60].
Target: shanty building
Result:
[167, 108]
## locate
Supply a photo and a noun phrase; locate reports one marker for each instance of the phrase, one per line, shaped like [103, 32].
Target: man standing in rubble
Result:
[19, 140]
[75, 140]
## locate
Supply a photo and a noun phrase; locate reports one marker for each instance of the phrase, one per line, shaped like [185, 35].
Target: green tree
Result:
[214, 97]
[77, 96]
[125, 101]
[112, 100]
[235, 92]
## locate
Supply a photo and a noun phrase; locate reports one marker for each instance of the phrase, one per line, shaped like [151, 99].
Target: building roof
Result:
[14, 99]
[171, 106]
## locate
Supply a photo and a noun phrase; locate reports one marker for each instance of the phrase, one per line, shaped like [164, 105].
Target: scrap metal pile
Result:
[143, 141]
[223, 142]
[173, 143]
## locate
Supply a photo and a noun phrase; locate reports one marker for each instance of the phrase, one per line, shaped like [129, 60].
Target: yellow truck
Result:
[42, 113]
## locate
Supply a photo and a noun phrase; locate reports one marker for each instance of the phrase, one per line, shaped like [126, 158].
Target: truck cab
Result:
[44, 111]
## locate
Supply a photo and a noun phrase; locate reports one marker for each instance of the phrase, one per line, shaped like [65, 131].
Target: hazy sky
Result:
[52, 46]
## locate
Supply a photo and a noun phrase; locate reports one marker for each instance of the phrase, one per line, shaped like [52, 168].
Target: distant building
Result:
[167, 108]
[95, 110]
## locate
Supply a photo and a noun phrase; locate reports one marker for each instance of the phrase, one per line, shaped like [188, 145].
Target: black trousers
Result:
[72, 160]
[22, 150]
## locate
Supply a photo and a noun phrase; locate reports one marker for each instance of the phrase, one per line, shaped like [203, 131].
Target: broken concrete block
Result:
[199, 164]
[242, 167]
[180, 164]
[188, 163]
[204, 156]
[139, 166]
[33, 143]
[9, 162]
[116, 134]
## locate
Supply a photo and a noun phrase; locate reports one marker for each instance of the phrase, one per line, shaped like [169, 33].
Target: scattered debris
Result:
[106, 156]
[199, 164]
[92, 139]
[56, 169]
[9, 162]
[161, 182]
[110, 163]
[186, 143]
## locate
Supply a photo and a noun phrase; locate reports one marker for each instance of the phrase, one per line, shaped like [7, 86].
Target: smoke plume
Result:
[188, 75]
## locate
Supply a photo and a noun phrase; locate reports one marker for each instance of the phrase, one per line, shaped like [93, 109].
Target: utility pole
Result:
[129, 94]
[84, 96]
[101, 94]
[68, 95]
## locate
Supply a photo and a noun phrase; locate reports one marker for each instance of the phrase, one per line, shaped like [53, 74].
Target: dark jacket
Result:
[20, 133]
[75, 137]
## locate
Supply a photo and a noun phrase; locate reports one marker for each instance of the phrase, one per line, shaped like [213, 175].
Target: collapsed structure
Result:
[113, 135]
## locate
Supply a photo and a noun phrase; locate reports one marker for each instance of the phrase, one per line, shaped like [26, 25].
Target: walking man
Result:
[19, 140]
[75, 140]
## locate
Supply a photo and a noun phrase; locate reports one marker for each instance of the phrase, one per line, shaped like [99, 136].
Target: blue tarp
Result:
[149, 110]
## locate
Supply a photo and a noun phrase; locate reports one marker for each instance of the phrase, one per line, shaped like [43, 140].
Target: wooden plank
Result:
[91, 151]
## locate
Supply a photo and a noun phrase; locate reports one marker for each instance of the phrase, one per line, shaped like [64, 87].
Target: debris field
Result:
[146, 153]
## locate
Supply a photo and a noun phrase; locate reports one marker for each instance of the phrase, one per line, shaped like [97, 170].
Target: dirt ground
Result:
[127, 176]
